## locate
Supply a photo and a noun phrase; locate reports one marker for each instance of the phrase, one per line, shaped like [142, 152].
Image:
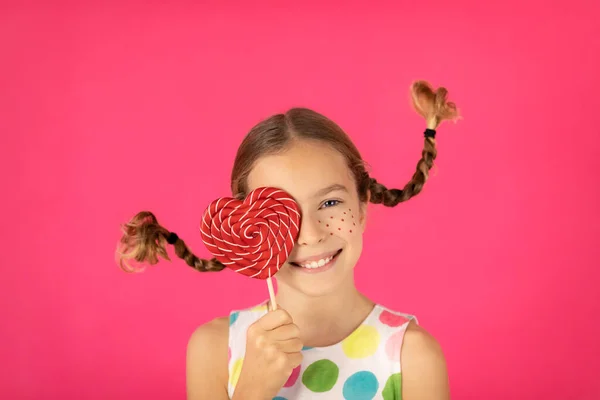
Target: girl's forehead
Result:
[303, 170]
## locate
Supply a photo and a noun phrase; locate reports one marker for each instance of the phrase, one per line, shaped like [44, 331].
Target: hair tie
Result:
[430, 133]
[172, 238]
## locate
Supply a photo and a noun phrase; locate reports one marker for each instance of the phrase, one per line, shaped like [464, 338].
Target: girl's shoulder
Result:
[216, 332]
[206, 347]
[424, 369]
[213, 329]
[417, 340]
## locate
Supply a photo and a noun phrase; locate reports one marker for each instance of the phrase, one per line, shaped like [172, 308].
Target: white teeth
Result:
[316, 264]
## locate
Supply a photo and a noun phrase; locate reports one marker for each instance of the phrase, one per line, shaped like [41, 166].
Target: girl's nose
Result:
[311, 231]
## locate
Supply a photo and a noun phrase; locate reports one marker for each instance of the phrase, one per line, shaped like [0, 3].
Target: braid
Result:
[193, 261]
[144, 241]
[392, 197]
[433, 106]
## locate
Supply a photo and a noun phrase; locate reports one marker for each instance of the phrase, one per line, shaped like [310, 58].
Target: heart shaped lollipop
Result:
[253, 237]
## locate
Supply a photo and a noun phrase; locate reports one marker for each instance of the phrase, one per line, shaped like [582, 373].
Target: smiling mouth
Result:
[318, 263]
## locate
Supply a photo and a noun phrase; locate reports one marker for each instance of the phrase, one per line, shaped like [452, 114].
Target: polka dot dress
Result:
[364, 366]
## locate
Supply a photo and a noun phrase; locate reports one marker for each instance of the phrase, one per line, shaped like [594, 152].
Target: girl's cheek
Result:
[340, 222]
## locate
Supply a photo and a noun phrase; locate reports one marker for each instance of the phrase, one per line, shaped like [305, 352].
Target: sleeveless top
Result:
[363, 366]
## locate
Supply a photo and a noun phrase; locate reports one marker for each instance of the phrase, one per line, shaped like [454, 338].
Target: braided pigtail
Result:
[144, 240]
[433, 106]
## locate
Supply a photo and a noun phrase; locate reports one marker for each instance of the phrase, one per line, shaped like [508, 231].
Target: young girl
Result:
[326, 340]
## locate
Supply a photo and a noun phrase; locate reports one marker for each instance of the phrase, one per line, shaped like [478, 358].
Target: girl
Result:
[326, 340]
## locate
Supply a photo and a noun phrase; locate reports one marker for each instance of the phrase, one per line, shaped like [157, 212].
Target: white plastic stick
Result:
[272, 294]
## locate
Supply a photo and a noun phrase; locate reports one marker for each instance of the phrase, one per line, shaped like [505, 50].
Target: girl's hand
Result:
[273, 350]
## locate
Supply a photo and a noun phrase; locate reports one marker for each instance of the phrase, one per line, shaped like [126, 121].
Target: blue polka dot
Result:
[279, 398]
[306, 348]
[362, 385]
[233, 317]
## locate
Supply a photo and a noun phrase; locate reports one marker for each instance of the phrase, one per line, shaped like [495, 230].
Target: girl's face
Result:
[333, 219]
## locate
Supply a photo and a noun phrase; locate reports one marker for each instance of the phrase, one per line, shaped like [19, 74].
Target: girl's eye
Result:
[331, 203]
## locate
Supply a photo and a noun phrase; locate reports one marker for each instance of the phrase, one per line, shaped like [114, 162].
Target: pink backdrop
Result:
[108, 110]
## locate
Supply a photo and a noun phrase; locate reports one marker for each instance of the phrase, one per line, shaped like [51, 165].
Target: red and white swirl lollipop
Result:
[253, 237]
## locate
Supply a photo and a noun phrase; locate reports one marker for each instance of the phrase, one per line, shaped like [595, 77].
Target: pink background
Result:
[109, 110]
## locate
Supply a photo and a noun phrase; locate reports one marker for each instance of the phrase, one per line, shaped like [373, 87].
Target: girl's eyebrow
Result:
[331, 188]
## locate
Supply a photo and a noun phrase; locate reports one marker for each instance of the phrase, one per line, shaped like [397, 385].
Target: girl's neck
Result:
[326, 319]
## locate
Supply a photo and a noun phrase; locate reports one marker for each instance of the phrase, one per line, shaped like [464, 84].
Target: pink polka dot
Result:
[394, 345]
[228, 354]
[390, 319]
[293, 377]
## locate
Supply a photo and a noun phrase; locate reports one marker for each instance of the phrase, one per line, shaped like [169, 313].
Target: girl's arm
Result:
[206, 364]
[424, 373]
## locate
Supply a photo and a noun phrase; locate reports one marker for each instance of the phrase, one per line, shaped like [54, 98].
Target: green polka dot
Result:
[321, 376]
[393, 387]
[306, 348]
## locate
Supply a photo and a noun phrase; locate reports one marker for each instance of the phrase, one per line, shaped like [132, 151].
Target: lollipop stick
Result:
[272, 294]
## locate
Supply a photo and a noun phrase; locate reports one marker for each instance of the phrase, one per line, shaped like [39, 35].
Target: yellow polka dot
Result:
[259, 308]
[363, 342]
[235, 371]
